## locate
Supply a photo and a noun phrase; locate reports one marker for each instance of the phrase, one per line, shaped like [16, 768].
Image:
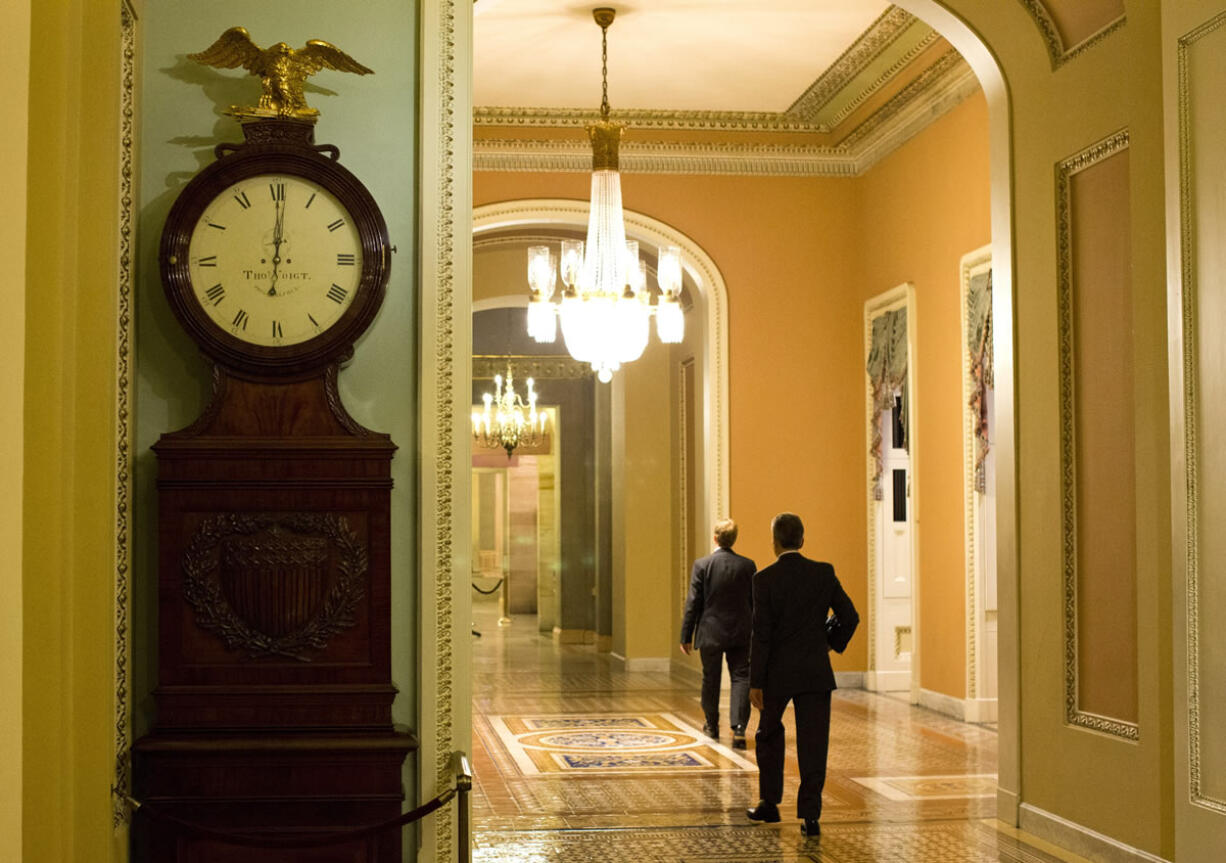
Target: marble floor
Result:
[576, 759]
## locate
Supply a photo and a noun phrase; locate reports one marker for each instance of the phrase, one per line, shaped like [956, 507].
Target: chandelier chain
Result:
[604, 71]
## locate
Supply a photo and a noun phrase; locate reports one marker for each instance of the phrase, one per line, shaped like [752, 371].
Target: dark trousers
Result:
[812, 742]
[738, 671]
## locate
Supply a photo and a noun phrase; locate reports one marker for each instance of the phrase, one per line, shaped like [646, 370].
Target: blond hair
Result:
[725, 532]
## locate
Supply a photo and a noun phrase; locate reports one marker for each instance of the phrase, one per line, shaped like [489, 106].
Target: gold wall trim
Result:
[940, 88]
[1056, 51]
[124, 409]
[1191, 382]
[485, 366]
[443, 281]
[1073, 714]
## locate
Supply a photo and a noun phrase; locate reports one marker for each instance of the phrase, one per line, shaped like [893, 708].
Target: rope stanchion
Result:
[493, 589]
[462, 786]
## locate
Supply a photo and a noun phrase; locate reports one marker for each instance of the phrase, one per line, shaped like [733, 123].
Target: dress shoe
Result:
[711, 731]
[809, 827]
[767, 813]
[738, 737]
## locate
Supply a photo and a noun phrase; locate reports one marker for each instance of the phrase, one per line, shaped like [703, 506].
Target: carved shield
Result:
[275, 581]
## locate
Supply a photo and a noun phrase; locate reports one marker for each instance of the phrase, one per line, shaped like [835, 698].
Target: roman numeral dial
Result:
[275, 260]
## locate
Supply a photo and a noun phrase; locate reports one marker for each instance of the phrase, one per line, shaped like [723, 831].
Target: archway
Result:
[446, 293]
[700, 272]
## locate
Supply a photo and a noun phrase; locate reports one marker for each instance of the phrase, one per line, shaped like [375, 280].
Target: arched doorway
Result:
[444, 293]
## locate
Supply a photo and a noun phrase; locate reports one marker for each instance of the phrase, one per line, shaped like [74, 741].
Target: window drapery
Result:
[979, 347]
[887, 374]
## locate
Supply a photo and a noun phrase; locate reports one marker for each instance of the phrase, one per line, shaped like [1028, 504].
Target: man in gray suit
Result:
[790, 661]
[717, 619]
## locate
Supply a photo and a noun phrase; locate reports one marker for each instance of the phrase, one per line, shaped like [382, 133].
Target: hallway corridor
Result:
[576, 759]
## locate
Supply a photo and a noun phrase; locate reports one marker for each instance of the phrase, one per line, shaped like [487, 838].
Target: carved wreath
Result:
[203, 590]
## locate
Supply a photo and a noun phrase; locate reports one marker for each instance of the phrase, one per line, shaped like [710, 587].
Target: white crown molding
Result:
[872, 43]
[665, 158]
[950, 85]
[942, 87]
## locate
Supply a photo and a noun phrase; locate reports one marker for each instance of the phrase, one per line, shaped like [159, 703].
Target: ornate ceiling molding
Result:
[694, 121]
[874, 41]
[563, 367]
[664, 158]
[939, 88]
[884, 78]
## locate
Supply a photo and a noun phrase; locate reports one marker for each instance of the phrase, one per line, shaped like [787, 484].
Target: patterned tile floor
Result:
[578, 760]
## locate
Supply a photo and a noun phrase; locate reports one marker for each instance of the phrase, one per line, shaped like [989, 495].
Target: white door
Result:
[893, 576]
[981, 705]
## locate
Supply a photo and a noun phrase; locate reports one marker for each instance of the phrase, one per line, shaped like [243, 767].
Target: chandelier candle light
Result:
[605, 307]
[506, 421]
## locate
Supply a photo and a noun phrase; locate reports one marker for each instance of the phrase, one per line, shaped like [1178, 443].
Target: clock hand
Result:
[278, 236]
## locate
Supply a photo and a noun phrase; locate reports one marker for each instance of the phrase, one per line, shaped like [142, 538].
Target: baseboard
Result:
[885, 681]
[649, 663]
[679, 665]
[604, 643]
[849, 679]
[980, 709]
[1007, 804]
[942, 703]
[573, 636]
[1078, 839]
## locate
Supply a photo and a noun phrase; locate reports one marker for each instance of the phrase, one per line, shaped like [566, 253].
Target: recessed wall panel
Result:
[1098, 439]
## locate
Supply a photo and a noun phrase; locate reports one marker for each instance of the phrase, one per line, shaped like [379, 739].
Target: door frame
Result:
[445, 277]
[975, 707]
[902, 296]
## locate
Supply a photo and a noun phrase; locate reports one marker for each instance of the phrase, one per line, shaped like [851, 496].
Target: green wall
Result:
[373, 120]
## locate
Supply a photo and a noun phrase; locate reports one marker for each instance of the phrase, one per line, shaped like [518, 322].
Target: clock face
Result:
[274, 260]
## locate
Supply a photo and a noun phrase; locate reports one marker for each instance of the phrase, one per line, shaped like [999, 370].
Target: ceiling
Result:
[800, 87]
[679, 55]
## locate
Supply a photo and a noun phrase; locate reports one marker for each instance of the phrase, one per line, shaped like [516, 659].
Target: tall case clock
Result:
[274, 695]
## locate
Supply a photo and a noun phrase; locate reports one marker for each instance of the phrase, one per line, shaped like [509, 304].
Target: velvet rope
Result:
[493, 589]
[152, 810]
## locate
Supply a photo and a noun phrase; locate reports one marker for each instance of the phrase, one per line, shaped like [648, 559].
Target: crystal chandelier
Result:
[506, 421]
[605, 306]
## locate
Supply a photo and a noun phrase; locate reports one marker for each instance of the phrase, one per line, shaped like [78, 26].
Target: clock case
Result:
[274, 696]
[274, 147]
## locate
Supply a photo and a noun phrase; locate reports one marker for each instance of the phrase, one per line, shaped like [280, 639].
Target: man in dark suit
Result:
[789, 661]
[718, 614]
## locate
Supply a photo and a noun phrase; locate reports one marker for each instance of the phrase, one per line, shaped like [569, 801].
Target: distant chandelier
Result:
[506, 421]
[605, 306]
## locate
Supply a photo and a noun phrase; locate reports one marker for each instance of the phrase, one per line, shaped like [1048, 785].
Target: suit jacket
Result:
[792, 635]
[719, 609]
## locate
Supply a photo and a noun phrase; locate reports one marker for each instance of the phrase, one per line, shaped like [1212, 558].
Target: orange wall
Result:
[799, 257]
[922, 209]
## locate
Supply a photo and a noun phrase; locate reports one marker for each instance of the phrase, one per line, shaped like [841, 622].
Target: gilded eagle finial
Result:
[282, 71]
